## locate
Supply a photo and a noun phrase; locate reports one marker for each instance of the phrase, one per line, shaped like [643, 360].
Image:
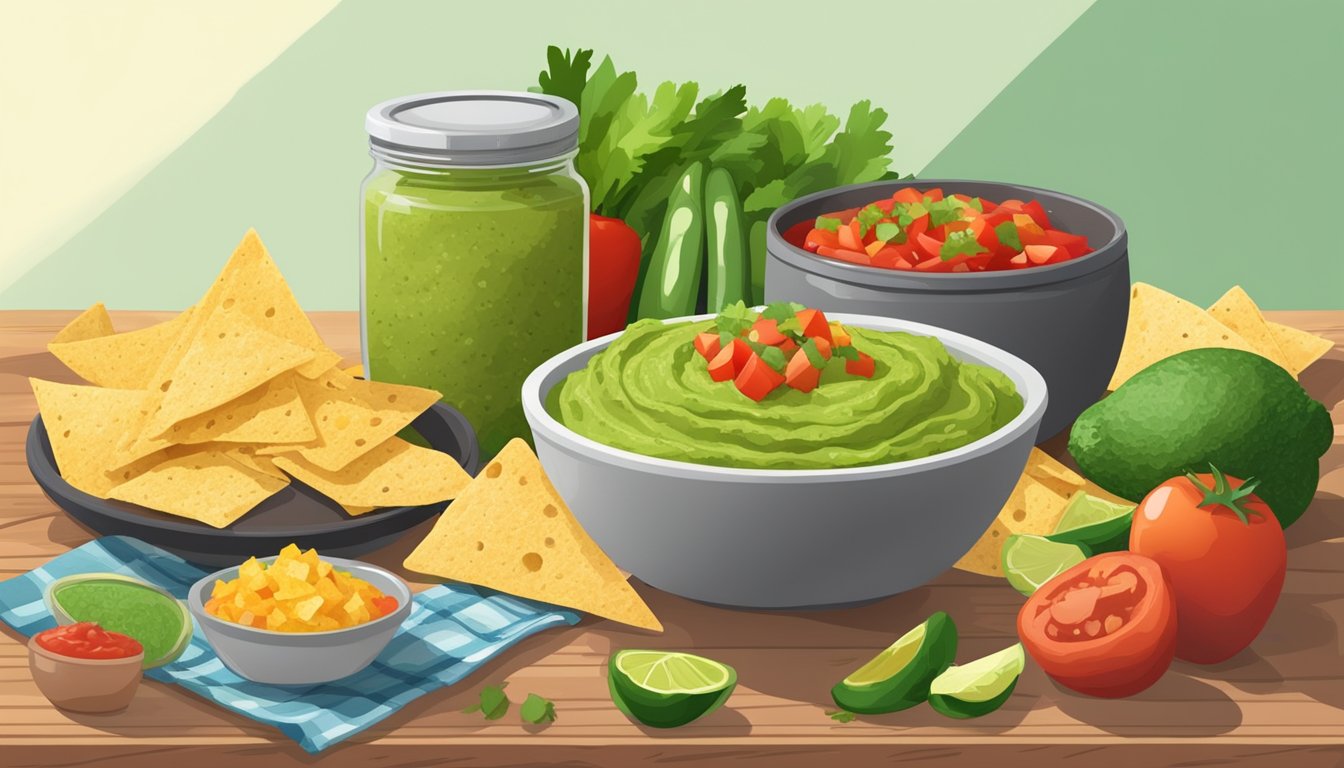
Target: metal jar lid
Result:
[474, 128]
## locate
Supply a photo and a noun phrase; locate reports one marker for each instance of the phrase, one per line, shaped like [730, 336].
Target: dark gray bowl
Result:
[1066, 320]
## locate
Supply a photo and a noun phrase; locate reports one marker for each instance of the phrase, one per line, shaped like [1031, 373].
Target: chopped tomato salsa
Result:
[925, 231]
[785, 344]
[87, 640]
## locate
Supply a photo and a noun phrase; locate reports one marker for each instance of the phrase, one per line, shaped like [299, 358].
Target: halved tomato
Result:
[1105, 627]
[818, 238]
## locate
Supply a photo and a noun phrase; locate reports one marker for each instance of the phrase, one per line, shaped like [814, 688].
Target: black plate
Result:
[297, 513]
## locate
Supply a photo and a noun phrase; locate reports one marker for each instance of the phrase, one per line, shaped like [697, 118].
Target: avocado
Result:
[1233, 409]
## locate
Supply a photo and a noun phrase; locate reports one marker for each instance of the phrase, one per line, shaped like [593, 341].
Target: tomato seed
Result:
[1092, 627]
[1113, 623]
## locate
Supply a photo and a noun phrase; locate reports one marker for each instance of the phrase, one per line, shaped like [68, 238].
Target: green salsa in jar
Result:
[473, 248]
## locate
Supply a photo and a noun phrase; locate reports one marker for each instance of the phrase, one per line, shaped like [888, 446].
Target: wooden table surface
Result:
[1283, 695]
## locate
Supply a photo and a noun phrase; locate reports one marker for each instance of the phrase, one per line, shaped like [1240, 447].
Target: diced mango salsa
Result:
[299, 592]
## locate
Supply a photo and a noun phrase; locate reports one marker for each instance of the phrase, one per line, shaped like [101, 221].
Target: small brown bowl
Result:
[84, 685]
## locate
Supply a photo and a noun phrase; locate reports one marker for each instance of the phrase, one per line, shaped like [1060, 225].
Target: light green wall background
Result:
[1165, 111]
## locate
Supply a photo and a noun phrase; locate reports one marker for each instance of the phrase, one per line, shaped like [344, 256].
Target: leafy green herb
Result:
[790, 327]
[771, 356]
[494, 704]
[890, 233]
[537, 710]
[847, 352]
[978, 204]
[814, 356]
[961, 243]
[735, 319]
[827, 223]
[1007, 234]
[868, 217]
[944, 212]
[781, 311]
[566, 73]
[726, 338]
[842, 716]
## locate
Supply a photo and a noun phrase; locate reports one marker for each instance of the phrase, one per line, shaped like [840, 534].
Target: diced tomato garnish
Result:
[385, 604]
[707, 344]
[907, 195]
[839, 336]
[757, 378]
[766, 331]
[1036, 211]
[818, 238]
[800, 374]
[843, 254]
[931, 246]
[1045, 254]
[1076, 245]
[730, 360]
[865, 366]
[788, 347]
[815, 325]
[850, 237]
[935, 194]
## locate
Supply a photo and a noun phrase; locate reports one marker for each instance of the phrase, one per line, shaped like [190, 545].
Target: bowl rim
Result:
[33, 647]
[1029, 382]
[197, 606]
[878, 277]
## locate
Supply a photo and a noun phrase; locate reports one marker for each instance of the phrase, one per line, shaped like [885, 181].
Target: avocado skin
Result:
[1233, 409]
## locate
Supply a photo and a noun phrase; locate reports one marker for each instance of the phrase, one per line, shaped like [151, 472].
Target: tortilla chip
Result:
[1161, 325]
[1300, 348]
[247, 456]
[352, 416]
[394, 474]
[1237, 311]
[123, 360]
[251, 285]
[208, 486]
[83, 425]
[1035, 506]
[510, 531]
[354, 371]
[92, 323]
[229, 357]
[357, 511]
[272, 413]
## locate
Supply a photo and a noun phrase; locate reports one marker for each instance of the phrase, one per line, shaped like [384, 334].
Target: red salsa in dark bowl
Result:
[925, 231]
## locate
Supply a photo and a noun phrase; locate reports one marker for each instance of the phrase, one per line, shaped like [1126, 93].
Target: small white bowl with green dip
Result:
[847, 494]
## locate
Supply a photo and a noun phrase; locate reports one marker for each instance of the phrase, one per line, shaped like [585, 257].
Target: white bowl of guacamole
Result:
[855, 491]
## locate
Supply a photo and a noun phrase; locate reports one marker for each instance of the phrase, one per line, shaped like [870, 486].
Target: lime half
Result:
[1030, 561]
[1095, 524]
[979, 687]
[899, 677]
[128, 606]
[666, 689]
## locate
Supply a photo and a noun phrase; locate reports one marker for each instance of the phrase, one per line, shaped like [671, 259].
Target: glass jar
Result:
[473, 248]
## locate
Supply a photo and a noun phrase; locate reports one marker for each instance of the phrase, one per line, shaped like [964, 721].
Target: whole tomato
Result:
[1105, 627]
[1222, 549]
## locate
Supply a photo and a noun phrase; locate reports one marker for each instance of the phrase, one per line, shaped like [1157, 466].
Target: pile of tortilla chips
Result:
[1162, 324]
[1037, 503]
[206, 415]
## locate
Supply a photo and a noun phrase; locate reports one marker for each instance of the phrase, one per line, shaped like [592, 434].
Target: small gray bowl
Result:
[301, 658]
[1067, 320]
[786, 538]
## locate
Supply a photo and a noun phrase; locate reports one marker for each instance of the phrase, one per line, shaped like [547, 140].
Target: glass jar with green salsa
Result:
[473, 248]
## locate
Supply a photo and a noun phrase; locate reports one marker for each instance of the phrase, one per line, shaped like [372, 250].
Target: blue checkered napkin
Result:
[451, 631]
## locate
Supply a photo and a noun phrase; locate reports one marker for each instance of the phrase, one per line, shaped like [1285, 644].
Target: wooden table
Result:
[1281, 701]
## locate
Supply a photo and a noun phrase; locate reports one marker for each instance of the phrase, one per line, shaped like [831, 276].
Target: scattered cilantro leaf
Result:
[842, 716]
[494, 703]
[537, 710]
[868, 217]
[960, 243]
[827, 223]
[944, 212]
[978, 204]
[781, 311]
[1007, 234]
[565, 73]
[725, 339]
[735, 319]
[847, 352]
[791, 326]
[772, 356]
[888, 232]
[814, 356]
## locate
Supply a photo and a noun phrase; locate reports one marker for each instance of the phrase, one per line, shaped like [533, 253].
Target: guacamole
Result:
[472, 279]
[649, 393]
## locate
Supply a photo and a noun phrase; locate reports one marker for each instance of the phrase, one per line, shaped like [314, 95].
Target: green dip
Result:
[650, 393]
[147, 615]
[472, 278]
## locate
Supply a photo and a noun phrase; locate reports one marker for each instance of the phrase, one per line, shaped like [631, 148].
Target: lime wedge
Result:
[128, 606]
[979, 687]
[665, 689]
[899, 677]
[1030, 561]
[1095, 524]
